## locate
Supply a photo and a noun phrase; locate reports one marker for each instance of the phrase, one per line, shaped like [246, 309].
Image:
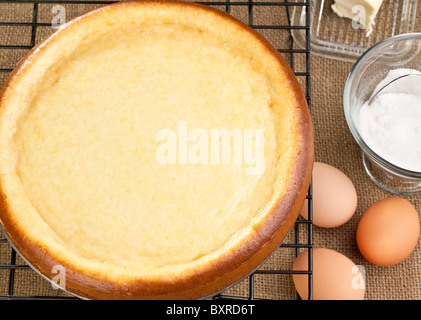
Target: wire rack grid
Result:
[36, 26]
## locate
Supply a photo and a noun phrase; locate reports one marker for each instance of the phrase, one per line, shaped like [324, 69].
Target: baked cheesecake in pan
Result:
[107, 152]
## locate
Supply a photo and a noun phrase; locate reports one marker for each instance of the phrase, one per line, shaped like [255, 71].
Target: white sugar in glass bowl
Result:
[387, 128]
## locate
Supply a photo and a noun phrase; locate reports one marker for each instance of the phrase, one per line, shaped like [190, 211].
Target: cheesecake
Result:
[152, 150]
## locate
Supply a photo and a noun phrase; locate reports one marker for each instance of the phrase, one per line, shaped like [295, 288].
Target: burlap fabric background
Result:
[334, 145]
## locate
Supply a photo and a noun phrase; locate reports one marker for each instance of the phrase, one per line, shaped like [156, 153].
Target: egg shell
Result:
[388, 231]
[335, 276]
[334, 197]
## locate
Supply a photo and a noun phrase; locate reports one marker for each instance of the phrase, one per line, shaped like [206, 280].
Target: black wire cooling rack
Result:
[250, 9]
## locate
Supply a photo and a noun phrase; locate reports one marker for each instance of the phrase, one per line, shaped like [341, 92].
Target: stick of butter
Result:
[361, 11]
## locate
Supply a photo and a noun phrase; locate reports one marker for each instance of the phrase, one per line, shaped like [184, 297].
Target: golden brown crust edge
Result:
[230, 269]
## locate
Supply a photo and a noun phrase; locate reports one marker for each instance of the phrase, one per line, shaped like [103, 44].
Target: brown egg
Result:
[334, 197]
[388, 231]
[335, 277]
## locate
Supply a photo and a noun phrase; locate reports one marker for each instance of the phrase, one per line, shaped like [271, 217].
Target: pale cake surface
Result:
[87, 147]
[80, 164]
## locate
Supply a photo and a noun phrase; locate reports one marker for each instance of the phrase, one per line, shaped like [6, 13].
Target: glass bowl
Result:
[398, 52]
